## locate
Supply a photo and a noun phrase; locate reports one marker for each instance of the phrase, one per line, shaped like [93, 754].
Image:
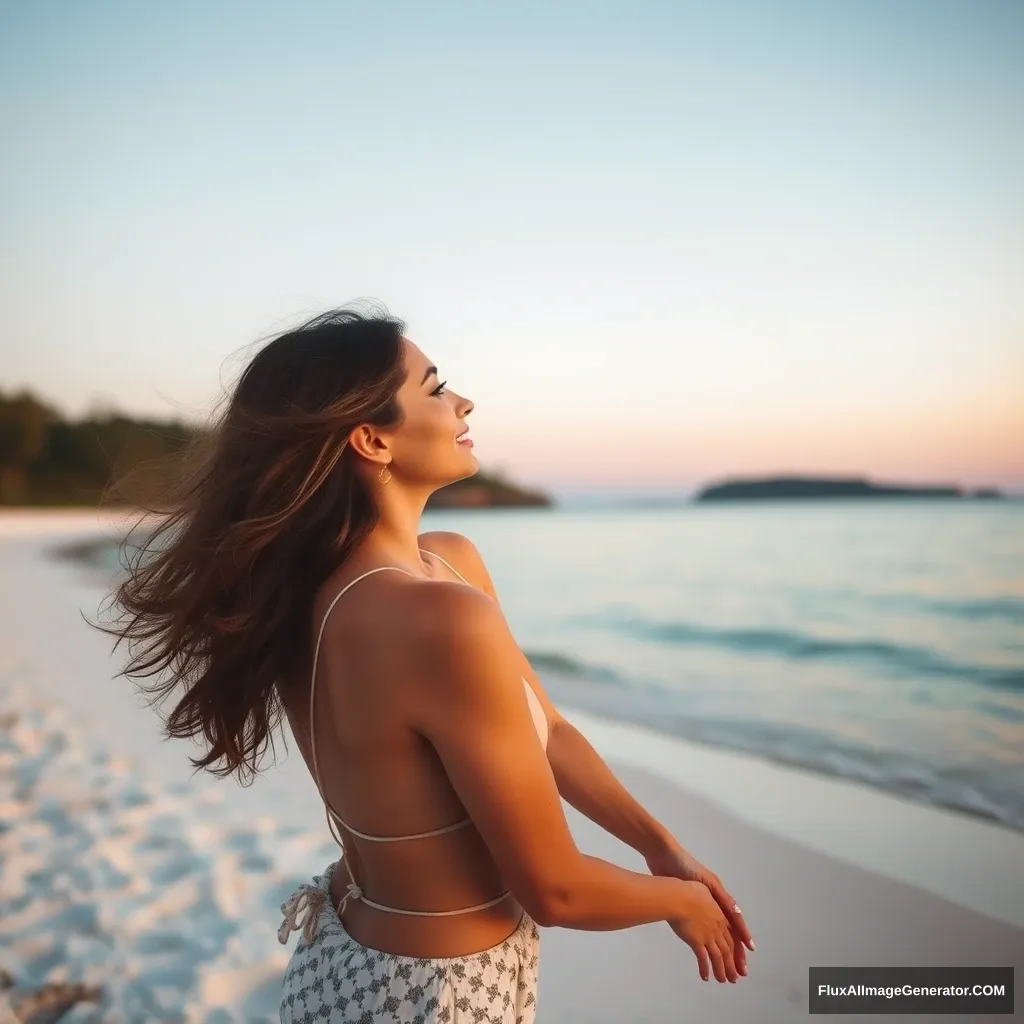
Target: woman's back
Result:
[381, 778]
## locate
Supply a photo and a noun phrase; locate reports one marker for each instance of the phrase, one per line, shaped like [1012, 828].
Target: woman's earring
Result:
[382, 478]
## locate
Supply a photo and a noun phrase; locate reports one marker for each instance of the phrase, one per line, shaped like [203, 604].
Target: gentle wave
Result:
[994, 797]
[804, 647]
[912, 778]
[995, 609]
[564, 665]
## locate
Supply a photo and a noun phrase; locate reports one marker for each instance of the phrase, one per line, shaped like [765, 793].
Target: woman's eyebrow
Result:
[430, 370]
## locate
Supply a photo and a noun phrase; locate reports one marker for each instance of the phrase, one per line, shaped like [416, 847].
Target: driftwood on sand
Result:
[42, 1005]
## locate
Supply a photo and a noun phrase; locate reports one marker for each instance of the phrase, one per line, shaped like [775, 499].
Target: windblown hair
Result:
[216, 601]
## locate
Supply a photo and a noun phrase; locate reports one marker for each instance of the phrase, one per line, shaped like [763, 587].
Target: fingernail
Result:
[752, 946]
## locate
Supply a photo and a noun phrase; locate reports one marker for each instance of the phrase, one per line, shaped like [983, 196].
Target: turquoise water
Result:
[882, 642]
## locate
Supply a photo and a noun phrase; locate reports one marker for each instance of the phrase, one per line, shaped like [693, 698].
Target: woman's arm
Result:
[468, 702]
[588, 784]
[583, 779]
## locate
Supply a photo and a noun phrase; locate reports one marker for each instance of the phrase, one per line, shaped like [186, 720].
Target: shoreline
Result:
[792, 801]
[857, 824]
[82, 552]
[137, 873]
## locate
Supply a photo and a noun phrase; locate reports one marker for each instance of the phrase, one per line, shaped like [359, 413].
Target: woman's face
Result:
[432, 445]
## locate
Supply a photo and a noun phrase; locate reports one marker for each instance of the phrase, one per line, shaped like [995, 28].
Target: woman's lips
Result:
[465, 439]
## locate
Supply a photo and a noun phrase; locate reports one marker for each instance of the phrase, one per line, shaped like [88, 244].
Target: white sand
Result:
[120, 868]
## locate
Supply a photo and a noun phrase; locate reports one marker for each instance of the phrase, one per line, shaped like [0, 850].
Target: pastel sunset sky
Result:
[657, 243]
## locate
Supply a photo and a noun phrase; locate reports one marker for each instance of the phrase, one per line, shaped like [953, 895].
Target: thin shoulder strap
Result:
[450, 566]
[312, 688]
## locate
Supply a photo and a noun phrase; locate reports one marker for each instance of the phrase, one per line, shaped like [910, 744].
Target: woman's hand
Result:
[675, 862]
[701, 924]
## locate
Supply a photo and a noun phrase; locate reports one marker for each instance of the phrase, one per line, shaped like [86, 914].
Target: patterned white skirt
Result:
[331, 977]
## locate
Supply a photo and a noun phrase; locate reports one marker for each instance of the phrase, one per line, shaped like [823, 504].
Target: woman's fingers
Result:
[739, 951]
[725, 947]
[740, 955]
[732, 911]
[717, 963]
[703, 963]
[718, 956]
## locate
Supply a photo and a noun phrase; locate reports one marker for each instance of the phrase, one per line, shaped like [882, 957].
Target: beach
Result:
[121, 869]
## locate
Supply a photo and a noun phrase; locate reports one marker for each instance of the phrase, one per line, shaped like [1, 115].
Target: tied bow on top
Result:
[303, 908]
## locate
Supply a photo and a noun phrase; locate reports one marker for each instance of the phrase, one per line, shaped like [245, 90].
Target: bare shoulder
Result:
[463, 555]
[424, 614]
[418, 629]
[459, 639]
[447, 542]
[446, 616]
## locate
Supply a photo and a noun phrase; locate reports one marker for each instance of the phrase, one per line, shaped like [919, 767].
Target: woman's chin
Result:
[470, 468]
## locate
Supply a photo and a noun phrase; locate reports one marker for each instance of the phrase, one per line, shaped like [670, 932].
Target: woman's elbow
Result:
[548, 903]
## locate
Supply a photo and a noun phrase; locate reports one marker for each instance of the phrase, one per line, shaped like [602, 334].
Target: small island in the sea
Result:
[808, 487]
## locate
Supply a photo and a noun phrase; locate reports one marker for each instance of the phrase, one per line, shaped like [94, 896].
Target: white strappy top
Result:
[353, 891]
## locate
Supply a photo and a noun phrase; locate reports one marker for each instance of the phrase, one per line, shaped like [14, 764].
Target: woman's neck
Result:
[395, 538]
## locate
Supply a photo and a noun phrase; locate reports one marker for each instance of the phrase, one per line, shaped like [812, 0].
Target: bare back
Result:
[380, 775]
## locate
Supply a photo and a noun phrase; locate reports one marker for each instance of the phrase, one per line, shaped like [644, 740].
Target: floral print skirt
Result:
[331, 977]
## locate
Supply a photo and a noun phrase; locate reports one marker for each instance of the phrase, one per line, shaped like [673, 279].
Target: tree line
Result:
[48, 459]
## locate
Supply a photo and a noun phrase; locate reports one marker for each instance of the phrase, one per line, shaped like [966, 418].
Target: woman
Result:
[289, 579]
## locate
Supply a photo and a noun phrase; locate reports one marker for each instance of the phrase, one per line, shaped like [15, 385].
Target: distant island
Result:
[47, 459]
[793, 487]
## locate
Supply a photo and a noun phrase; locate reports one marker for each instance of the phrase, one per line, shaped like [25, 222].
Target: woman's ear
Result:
[365, 441]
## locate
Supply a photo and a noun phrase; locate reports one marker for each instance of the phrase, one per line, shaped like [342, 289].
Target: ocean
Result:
[879, 641]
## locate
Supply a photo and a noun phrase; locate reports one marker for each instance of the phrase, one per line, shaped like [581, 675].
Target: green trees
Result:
[24, 422]
[46, 459]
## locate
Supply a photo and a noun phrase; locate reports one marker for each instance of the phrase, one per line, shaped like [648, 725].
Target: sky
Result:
[658, 244]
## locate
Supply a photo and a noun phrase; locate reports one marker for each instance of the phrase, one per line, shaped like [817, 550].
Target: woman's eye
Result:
[440, 387]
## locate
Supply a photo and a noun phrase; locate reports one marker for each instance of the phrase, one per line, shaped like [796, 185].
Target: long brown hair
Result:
[216, 600]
